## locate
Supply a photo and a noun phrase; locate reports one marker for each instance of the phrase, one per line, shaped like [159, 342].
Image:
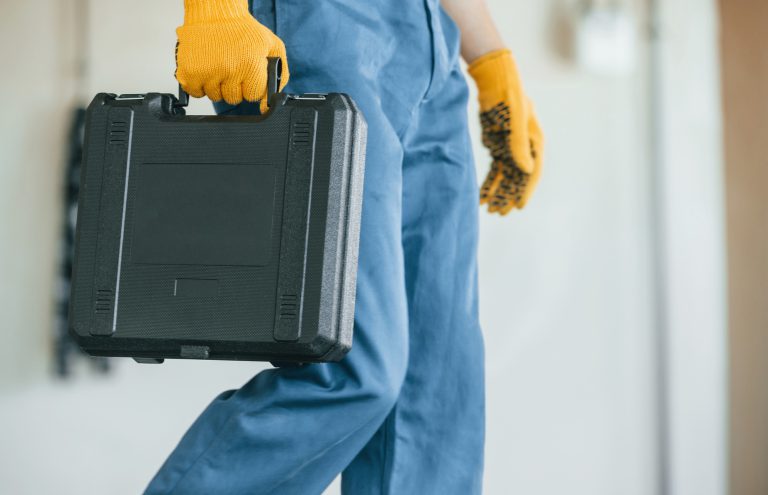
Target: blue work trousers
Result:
[403, 412]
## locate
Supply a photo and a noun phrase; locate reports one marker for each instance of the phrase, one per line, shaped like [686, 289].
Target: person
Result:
[403, 412]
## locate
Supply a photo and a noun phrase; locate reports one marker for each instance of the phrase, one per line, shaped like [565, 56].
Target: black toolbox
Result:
[219, 237]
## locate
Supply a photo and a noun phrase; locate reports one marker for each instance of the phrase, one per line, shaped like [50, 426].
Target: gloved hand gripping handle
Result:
[274, 76]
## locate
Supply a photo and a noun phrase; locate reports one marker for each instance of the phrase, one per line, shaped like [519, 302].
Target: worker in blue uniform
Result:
[403, 412]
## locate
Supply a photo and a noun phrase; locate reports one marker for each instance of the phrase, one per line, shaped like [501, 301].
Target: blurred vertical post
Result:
[689, 217]
[658, 246]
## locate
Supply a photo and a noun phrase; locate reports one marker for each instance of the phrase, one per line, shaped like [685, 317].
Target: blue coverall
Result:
[403, 412]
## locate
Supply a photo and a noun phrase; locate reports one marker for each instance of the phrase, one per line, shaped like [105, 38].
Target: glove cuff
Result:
[494, 73]
[203, 11]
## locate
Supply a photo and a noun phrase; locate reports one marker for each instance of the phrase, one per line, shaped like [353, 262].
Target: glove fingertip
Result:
[231, 91]
[194, 92]
[493, 185]
[506, 209]
[524, 161]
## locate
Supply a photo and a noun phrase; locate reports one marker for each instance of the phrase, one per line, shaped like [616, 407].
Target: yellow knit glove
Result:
[511, 133]
[222, 52]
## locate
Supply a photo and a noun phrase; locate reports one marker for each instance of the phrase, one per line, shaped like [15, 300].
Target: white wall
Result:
[35, 93]
[565, 285]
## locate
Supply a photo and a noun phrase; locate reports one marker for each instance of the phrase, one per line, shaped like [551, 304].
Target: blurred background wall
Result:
[603, 303]
[37, 95]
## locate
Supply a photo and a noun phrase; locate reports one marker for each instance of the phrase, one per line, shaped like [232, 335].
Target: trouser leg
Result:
[432, 441]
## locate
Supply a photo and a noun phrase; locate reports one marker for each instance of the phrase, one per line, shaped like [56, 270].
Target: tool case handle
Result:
[274, 76]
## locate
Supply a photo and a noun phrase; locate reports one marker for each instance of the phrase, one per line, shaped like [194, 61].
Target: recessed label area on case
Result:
[195, 287]
[203, 214]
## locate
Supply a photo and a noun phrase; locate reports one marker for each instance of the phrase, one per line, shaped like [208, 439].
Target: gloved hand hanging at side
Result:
[511, 133]
[222, 52]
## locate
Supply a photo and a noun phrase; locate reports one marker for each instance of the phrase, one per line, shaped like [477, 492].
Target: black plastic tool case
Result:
[218, 237]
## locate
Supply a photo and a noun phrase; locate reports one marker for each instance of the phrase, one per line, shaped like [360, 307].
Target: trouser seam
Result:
[386, 452]
[317, 457]
[432, 49]
[205, 451]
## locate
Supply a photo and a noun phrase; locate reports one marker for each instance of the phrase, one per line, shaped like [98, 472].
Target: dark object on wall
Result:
[219, 237]
[64, 347]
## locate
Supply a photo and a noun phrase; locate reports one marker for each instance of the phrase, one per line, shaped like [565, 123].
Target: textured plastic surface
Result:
[218, 237]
